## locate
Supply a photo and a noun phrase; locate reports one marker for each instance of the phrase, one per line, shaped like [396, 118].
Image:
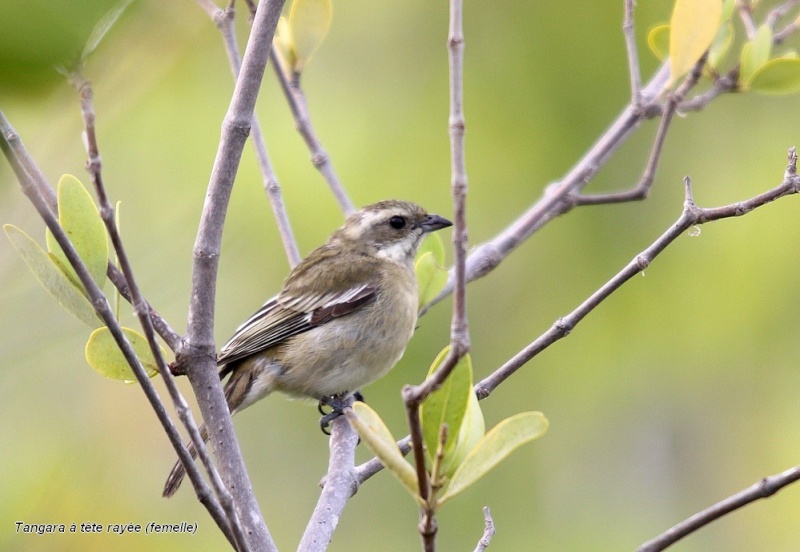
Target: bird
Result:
[341, 321]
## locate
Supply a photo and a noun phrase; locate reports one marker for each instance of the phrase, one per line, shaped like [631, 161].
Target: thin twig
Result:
[746, 15]
[722, 84]
[298, 104]
[557, 198]
[777, 13]
[764, 488]
[641, 190]
[691, 216]
[371, 467]
[229, 524]
[199, 351]
[629, 32]
[224, 20]
[488, 531]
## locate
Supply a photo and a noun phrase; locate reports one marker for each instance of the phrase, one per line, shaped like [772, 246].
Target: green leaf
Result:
[431, 278]
[80, 219]
[104, 356]
[495, 446]
[379, 439]
[433, 244]
[779, 76]
[720, 45]
[692, 28]
[727, 9]
[447, 404]
[472, 430]
[430, 270]
[52, 277]
[755, 54]
[658, 41]
[309, 21]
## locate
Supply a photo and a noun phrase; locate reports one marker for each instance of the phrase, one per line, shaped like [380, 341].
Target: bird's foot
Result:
[337, 404]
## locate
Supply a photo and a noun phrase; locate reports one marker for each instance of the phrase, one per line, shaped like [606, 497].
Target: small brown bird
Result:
[342, 320]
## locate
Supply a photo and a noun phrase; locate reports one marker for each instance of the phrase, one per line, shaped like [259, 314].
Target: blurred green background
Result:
[680, 390]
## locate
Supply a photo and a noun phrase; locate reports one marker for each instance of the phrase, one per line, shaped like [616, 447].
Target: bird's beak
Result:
[431, 223]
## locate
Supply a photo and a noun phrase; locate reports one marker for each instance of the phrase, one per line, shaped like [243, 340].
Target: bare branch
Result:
[691, 216]
[488, 531]
[779, 12]
[371, 467]
[764, 488]
[722, 84]
[340, 484]
[641, 190]
[746, 15]
[199, 350]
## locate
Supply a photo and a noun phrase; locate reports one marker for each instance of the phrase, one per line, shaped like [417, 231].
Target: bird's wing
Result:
[287, 315]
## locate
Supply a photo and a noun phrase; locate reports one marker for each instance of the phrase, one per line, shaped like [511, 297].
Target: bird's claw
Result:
[337, 404]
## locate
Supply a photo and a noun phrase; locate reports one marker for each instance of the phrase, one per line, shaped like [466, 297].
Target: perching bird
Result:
[342, 320]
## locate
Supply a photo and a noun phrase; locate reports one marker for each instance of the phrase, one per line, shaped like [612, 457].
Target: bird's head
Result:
[390, 229]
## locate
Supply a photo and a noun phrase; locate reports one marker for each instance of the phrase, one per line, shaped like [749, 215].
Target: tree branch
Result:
[764, 488]
[641, 190]
[199, 350]
[488, 531]
[339, 485]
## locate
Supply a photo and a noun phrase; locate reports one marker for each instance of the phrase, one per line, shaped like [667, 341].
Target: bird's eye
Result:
[397, 222]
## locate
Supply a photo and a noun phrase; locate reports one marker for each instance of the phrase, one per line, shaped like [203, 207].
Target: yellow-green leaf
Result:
[721, 44]
[779, 76]
[472, 430]
[431, 278]
[755, 53]
[658, 41]
[727, 9]
[495, 446]
[105, 357]
[284, 42]
[51, 276]
[692, 28]
[379, 439]
[80, 219]
[309, 21]
[447, 404]
[432, 243]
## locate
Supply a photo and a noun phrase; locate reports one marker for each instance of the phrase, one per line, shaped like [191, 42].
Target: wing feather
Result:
[287, 315]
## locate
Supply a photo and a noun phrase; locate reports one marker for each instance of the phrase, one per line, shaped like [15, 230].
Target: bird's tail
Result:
[178, 471]
[238, 395]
